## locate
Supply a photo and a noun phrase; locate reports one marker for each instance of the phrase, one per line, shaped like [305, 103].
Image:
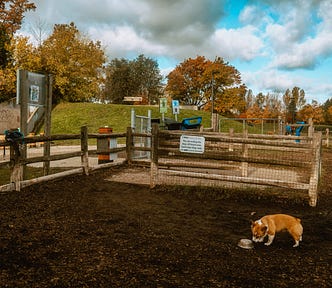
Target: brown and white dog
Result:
[270, 224]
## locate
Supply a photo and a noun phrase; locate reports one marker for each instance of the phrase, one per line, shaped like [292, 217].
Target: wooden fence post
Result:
[231, 145]
[16, 175]
[245, 154]
[280, 126]
[154, 155]
[316, 167]
[129, 143]
[311, 128]
[47, 123]
[85, 150]
[327, 137]
[215, 122]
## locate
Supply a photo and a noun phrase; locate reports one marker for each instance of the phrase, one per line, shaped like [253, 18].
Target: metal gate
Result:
[141, 124]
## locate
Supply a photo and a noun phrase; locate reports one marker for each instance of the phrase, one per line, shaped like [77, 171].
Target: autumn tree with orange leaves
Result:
[202, 82]
[11, 16]
[313, 111]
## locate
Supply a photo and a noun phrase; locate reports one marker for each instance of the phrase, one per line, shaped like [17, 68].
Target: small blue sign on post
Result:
[176, 108]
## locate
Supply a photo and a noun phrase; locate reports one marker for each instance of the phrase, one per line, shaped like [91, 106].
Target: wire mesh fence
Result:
[214, 159]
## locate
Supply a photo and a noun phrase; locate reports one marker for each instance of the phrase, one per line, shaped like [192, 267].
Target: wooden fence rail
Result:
[239, 155]
[17, 163]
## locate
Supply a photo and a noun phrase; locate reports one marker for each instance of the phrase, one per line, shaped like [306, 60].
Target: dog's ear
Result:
[264, 229]
[252, 223]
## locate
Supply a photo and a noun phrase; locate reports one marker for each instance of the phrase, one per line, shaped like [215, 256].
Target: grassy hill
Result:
[67, 118]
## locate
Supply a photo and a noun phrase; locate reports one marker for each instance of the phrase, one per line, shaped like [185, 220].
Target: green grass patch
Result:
[68, 118]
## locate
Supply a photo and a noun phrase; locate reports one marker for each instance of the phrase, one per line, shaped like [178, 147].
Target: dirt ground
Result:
[93, 231]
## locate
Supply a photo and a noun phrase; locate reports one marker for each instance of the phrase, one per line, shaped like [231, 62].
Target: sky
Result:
[275, 45]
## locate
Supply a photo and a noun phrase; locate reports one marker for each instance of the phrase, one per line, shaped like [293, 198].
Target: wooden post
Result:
[215, 122]
[85, 150]
[280, 126]
[310, 128]
[23, 95]
[231, 134]
[262, 126]
[47, 123]
[16, 175]
[154, 155]
[129, 144]
[327, 137]
[245, 154]
[315, 172]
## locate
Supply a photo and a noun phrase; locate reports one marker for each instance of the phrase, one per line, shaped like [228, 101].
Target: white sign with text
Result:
[192, 144]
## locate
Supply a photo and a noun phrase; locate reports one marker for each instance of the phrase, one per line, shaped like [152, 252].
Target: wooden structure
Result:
[17, 163]
[269, 160]
[212, 158]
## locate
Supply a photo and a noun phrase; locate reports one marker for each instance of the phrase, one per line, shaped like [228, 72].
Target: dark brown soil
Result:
[86, 231]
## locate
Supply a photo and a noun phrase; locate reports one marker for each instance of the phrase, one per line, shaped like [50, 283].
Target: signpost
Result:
[34, 95]
[176, 108]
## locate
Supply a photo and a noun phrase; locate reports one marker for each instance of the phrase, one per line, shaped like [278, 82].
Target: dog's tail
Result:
[298, 220]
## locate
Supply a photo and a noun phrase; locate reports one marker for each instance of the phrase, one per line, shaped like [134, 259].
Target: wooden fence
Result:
[217, 159]
[17, 163]
[211, 158]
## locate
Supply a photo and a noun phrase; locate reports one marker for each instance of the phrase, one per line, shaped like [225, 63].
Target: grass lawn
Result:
[67, 118]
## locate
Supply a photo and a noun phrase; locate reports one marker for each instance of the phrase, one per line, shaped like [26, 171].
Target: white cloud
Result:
[253, 15]
[296, 41]
[123, 41]
[269, 80]
[242, 43]
[306, 54]
[272, 39]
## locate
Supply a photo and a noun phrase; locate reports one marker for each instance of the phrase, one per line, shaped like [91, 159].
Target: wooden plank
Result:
[53, 157]
[315, 173]
[231, 156]
[84, 150]
[50, 177]
[154, 170]
[129, 145]
[240, 179]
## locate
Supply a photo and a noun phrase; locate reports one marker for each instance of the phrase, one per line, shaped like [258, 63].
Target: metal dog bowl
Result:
[246, 244]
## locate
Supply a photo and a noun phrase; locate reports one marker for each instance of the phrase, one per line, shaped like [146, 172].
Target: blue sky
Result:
[275, 45]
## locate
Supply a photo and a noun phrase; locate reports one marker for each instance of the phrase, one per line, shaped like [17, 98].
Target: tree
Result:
[263, 106]
[26, 55]
[202, 82]
[118, 83]
[231, 100]
[313, 111]
[254, 112]
[7, 84]
[11, 16]
[5, 55]
[293, 100]
[328, 115]
[76, 63]
[136, 78]
[327, 107]
[146, 75]
[272, 106]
